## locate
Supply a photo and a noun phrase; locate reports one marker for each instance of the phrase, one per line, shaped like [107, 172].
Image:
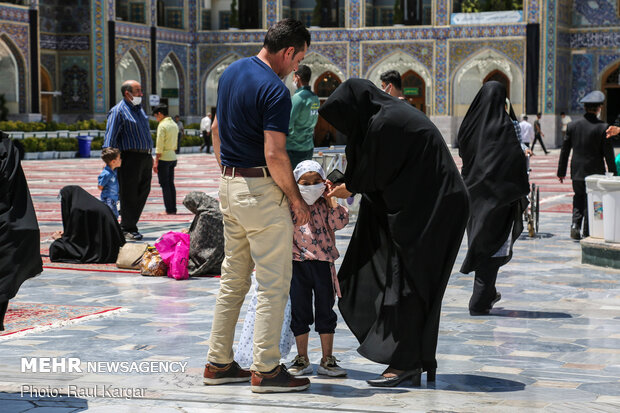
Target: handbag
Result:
[130, 255]
[152, 264]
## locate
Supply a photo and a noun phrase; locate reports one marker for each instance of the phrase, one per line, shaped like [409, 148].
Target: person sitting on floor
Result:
[206, 250]
[91, 233]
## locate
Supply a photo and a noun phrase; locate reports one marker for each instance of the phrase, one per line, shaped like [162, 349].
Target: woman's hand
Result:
[338, 191]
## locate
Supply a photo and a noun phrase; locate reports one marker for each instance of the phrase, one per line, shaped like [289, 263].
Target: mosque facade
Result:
[66, 59]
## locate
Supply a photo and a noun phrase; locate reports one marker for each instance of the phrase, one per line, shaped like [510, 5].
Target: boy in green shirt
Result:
[304, 115]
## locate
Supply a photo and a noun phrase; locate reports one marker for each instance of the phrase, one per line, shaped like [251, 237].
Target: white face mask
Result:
[136, 100]
[311, 193]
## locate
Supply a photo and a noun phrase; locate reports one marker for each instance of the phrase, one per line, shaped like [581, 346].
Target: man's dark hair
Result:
[287, 33]
[539, 114]
[126, 87]
[524, 117]
[163, 109]
[592, 107]
[393, 77]
[109, 154]
[304, 74]
[562, 113]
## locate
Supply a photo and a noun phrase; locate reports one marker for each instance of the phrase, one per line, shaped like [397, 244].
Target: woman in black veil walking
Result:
[495, 172]
[410, 225]
[20, 254]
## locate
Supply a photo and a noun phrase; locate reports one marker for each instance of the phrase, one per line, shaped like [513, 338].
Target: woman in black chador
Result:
[20, 255]
[91, 233]
[410, 225]
[494, 170]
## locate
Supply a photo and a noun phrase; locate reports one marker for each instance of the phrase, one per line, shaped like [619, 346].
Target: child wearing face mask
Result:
[314, 253]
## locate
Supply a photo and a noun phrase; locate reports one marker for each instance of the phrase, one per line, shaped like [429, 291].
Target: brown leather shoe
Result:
[231, 373]
[278, 381]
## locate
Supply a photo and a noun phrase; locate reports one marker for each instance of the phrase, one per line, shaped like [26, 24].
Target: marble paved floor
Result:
[551, 344]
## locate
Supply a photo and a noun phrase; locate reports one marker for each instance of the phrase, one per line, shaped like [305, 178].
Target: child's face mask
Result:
[311, 193]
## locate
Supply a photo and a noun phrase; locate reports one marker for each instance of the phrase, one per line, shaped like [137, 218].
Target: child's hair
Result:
[109, 154]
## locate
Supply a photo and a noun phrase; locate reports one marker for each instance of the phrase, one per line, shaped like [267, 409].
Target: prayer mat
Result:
[34, 317]
[84, 267]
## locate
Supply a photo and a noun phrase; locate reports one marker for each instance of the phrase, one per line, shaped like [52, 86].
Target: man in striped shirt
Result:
[128, 130]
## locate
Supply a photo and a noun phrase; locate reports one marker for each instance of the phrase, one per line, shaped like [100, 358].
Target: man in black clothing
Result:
[538, 134]
[586, 137]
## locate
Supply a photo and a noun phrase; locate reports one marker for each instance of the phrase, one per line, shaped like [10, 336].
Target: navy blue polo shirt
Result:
[251, 99]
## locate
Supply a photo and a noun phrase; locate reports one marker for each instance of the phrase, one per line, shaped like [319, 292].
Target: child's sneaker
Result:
[300, 366]
[329, 367]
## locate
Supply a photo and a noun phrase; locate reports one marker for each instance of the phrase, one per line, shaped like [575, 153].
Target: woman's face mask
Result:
[311, 193]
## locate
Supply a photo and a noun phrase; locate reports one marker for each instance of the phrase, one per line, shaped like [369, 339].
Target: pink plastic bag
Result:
[173, 248]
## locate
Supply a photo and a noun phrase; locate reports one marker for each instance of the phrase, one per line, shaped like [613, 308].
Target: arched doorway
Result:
[324, 133]
[414, 89]
[611, 86]
[46, 98]
[499, 76]
[10, 82]
[211, 81]
[168, 86]
[127, 69]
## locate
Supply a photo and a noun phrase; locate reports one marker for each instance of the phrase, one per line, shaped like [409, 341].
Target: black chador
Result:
[91, 232]
[410, 225]
[20, 255]
[494, 170]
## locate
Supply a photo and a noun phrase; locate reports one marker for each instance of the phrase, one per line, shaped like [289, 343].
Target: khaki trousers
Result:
[258, 231]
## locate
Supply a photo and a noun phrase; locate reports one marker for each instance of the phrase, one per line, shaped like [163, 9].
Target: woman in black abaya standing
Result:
[410, 225]
[495, 172]
[20, 255]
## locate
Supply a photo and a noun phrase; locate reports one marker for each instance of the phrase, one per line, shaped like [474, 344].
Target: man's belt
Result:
[138, 150]
[260, 172]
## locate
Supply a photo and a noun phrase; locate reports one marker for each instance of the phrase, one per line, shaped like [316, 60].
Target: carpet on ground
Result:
[35, 317]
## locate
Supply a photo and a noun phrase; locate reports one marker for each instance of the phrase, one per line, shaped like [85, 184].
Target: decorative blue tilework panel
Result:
[336, 53]
[133, 30]
[354, 59]
[462, 50]
[593, 13]
[141, 47]
[13, 14]
[583, 78]
[271, 7]
[355, 14]
[533, 11]
[549, 45]
[606, 60]
[441, 77]
[211, 54]
[98, 55]
[374, 52]
[64, 41]
[194, 88]
[164, 48]
[441, 12]
[595, 39]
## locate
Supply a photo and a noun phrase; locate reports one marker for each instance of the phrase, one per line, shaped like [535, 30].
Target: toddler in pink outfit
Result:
[314, 253]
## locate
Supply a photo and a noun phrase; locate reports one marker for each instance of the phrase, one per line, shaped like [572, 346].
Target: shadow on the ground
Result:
[344, 391]
[501, 312]
[541, 235]
[474, 383]
[21, 402]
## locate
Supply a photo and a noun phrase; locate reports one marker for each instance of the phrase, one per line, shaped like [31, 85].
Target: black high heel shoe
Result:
[382, 381]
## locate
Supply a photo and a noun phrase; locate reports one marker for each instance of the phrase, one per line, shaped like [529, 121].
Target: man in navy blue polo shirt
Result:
[256, 188]
[128, 130]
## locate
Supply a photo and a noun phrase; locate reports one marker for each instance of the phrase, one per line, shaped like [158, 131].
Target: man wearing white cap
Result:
[586, 137]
